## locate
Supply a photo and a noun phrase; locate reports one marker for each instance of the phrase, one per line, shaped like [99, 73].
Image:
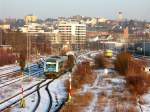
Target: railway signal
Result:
[22, 102]
[70, 87]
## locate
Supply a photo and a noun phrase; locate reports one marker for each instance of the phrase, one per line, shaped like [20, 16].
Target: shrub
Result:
[78, 103]
[138, 84]
[137, 80]
[70, 61]
[6, 57]
[82, 75]
[100, 61]
[22, 60]
[121, 63]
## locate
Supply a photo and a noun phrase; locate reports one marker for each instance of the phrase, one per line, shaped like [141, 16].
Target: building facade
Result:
[30, 19]
[73, 33]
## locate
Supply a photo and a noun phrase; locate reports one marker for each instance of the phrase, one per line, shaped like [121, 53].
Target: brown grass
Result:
[83, 74]
[102, 101]
[138, 81]
[78, 103]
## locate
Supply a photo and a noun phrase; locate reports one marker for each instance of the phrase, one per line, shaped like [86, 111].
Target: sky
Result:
[132, 9]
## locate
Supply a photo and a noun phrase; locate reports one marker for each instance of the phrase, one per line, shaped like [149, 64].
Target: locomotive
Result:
[55, 65]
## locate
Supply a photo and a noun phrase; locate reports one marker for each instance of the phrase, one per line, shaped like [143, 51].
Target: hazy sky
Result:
[135, 9]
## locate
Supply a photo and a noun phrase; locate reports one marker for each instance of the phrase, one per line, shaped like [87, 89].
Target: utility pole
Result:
[28, 51]
[1, 38]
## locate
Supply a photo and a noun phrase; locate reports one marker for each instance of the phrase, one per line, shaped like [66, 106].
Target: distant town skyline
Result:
[132, 9]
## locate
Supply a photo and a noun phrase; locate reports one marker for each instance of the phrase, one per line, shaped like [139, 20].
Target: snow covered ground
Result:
[58, 94]
[108, 89]
[9, 68]
[15, 88]
[146, 106]
[110, 93]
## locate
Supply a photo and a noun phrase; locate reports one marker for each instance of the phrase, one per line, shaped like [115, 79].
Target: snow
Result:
[12, 81]
[30, 100]
[101, 85]
[56, 88]
[12, 100]
[44, 101]
[9, 69]
[112, 86]
[146, 98]
[15, 88]
[107, 107]
[7, 66]
[146, 105]
[92, 106]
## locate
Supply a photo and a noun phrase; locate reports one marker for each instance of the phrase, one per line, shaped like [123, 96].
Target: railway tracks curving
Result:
[35, 88]
[39, 98]
[50, 98]
[4, 104]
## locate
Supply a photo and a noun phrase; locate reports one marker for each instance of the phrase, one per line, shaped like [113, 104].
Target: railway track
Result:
[8, 74]
[35, 88]
[50, 98]
[39, 98]
[9, 80]
[7, 68]
[14, 80]
[13, 71]
[4, 104]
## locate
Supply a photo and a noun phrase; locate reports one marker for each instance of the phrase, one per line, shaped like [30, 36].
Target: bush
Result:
[22, 60]
[138, 83]
[121, 63]
[100, 61]
[82, 75]
[7, 57]
[137, 80]
[78, 104]
[70, 62]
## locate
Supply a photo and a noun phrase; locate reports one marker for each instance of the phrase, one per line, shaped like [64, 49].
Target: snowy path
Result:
[92, 106]
[104, 87]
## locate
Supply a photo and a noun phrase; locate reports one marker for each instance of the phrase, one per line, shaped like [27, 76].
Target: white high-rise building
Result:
[72, 32]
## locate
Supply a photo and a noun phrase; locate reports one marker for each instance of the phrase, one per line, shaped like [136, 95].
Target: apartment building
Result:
[73, 33]
[30, 19]
[32, 28]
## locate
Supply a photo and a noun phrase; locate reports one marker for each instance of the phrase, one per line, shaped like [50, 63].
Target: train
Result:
[108, 53]
[56, 65]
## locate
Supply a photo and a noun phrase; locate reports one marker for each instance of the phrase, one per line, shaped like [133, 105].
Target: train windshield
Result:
[51, 65]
